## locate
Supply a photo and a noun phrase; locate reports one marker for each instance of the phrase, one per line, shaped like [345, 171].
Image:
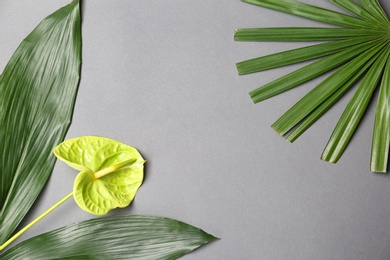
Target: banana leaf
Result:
[118, 237]
[37, 93]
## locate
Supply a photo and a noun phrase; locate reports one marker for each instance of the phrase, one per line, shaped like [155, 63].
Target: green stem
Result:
[44, 214]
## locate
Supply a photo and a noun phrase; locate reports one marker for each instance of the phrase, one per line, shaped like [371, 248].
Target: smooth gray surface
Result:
[160, 75]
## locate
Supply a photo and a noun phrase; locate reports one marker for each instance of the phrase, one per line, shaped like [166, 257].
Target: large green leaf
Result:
[37, 93]
[120, 237]
[111, 172]
[360, 45]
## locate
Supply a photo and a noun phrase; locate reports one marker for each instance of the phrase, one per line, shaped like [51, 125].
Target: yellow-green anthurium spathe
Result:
[110, 172]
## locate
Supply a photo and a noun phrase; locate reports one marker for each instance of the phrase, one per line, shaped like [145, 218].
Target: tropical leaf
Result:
[119, 237]
[354, 111]
[111, 172]
[359, 49]
[380, 151]
[37, 93]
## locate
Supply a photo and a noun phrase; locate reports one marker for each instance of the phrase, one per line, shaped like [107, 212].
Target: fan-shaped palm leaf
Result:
[359, 49]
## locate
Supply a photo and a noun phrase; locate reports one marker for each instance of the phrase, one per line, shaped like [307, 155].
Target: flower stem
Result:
[44, 214]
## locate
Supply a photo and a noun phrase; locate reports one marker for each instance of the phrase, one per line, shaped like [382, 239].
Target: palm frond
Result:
[354, 111]
[311, 12]
[311, 71]
[321, 92]
[294, 34]
[381, 137]
[295, 56]
[361, 45]
[359, 11]
[37, 92]
[118, 237]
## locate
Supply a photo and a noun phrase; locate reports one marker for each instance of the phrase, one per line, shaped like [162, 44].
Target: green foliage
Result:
[37, 92]
[111, 172]
[120, 237]
[359, 49]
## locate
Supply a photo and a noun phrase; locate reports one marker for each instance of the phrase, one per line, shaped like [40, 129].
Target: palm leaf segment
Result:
[358, 48]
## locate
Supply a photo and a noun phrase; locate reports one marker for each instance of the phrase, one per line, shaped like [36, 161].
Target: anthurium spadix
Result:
[110, 172]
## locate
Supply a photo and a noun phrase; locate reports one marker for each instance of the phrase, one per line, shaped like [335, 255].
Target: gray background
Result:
[160, 76]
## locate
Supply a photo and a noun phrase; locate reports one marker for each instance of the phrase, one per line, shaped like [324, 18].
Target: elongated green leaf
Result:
[294, 34]
[320, 93]
[306, 73]
[120, 237]
[311, 12]
[111, 172]
[296, 55]
[381, 136]
[37, 93]
[354, 112]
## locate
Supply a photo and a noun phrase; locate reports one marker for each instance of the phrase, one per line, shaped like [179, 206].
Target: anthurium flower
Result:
[110, 172]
